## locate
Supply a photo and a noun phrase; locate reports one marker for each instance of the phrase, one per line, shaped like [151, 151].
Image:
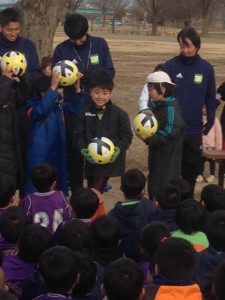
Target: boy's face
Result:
[11, 31]
[100, 96]
[153, 93]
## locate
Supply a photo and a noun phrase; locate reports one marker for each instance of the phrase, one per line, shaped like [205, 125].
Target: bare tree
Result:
[104, 6]
[72, 5]
[41, 19]
[153, 9]
[204, 6]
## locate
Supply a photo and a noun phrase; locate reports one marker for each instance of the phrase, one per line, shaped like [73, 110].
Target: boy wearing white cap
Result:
[165, 147]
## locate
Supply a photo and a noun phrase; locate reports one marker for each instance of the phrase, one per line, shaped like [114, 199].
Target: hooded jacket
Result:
[132, 216]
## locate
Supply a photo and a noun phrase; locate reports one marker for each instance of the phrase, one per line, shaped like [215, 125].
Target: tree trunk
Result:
[40, 20]
[154, 24]
[205, 25]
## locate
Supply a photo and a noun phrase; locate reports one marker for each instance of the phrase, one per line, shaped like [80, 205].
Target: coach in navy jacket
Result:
[195, 86]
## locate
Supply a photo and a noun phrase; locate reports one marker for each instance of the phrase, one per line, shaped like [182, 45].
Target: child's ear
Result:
[202, 202]
[142, 293]
[53, 185]
[156, 269]
[143, 192]
[102, 288]
[163, 89]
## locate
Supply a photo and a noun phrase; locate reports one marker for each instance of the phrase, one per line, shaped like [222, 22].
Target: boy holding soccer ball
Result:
[165, 147]
[102, 118]
[47, 139]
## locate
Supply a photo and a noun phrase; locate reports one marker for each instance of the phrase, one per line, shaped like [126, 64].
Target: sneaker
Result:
[107, 187]
[210, 179]
[199, 178]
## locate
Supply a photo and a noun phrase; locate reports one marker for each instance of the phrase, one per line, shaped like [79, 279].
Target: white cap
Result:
[159, 77]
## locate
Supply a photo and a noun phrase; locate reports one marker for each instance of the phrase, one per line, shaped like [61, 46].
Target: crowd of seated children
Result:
[47, 206]
[151, 236]
[132, 213]
[166, 200]
[208, 259]
[106, 237]
[190, 218]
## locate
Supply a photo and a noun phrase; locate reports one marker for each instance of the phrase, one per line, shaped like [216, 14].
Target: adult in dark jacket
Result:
[10, 40]
[195, 87]
[10, 154]
[90, 54]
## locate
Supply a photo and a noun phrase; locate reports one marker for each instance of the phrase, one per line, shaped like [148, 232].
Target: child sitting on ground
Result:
[190, 217]
[212, 197]
[133, 213]
[151, 236]
[102, 119]
[86, 205]
[47, 206]
[59, 268]
[106, 236]
[166, 200]
[211, 257]
[7, 195]
[123, 280]
[175, 261]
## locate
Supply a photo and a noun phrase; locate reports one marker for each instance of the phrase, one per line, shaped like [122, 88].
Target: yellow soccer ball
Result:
[145, 125]
[101, 150]
[15, 61]
[68, 71]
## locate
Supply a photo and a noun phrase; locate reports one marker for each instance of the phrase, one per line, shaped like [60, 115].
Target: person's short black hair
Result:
[176, 259]
[106, 232]
[221, 91]
[87, 278]
[101, 79]
[12, 223]
[218, 281]
[190, 216]
[84, 202]
[158, 67]
[168, 196]
[75, 26]
[43, 176]
[157, 86]
[45, 62]
[215, 230]
[77, 236]
[7, 191]
[151, 237]
[133, 181]
[191, 34]
[213, 197]
[9, 15]
[33, 241]
[42, 84]
[123, 280]
[59, 268]
[184, 187]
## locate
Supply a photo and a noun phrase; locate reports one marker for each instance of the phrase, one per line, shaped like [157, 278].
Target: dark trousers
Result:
[191, 159]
